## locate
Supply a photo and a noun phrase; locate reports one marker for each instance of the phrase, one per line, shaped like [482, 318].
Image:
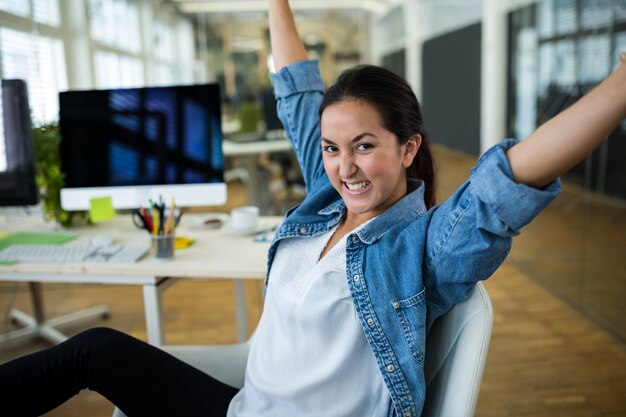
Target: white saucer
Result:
[228, 229]
[209, 221]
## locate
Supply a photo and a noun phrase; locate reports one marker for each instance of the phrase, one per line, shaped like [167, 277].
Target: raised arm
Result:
[299, 89]
[563, 141]
[287, 47]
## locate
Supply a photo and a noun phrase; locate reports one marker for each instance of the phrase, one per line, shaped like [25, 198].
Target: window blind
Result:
[17, 7]
[40, 61]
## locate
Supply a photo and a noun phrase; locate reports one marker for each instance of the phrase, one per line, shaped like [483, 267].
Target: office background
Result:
[483, 69]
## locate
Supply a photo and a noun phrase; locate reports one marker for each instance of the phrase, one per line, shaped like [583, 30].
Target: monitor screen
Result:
[17, 161]
[134, 144]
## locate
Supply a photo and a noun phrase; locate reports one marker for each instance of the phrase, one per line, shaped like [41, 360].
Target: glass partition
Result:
[559, 50]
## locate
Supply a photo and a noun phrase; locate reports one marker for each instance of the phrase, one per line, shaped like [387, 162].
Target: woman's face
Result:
[363, 160]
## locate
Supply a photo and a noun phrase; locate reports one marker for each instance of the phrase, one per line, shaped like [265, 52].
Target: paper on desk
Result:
[26, 238]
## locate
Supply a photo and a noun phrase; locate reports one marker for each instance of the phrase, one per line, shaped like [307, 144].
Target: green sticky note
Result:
[101, 209]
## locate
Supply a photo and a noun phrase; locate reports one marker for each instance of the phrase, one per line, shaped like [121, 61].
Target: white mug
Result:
[244, 219]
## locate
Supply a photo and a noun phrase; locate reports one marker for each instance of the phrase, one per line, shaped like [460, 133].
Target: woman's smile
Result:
[357, 188]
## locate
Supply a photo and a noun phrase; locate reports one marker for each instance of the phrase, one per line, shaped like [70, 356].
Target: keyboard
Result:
[122, 253]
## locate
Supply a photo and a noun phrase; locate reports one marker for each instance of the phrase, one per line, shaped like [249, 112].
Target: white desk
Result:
[214, 255]
[231, 148]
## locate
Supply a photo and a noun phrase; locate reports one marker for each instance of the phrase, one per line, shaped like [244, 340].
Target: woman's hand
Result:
[566, 139]
[286, 44]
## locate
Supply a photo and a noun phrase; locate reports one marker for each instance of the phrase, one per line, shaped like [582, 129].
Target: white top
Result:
[309, 356]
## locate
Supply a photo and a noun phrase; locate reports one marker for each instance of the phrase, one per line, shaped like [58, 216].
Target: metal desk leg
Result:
[153, 310]
[241, 311]
[258, 187]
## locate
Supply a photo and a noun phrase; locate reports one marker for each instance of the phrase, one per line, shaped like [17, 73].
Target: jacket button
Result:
[354, 239]
[390, 368]
[370, 322]
[407, 414]
[303, 230]
[396, 305]
[355, 277]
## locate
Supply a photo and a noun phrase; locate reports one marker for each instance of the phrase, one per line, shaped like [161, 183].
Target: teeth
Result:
[357, 186]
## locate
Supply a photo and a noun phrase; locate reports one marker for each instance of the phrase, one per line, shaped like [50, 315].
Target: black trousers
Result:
[140, 379]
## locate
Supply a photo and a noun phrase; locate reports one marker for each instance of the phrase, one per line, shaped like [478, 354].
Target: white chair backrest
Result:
[456, 351]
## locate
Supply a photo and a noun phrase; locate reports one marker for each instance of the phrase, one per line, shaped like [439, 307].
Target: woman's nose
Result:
[347, 167]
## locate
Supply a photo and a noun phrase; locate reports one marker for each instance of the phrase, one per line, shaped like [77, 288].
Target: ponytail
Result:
[423, 168]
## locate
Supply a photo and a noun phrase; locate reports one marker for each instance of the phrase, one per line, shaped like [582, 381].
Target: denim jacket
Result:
[409, 265]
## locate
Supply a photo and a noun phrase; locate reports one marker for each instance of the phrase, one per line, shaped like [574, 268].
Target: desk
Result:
[215, 254]
[250, 151]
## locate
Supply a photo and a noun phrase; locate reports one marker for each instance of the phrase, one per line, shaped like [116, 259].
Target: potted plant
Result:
[49, 176]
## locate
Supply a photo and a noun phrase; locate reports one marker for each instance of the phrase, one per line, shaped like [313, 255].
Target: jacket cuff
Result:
[492, 179]
[298, 77]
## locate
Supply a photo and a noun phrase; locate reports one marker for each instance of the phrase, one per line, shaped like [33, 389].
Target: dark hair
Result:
[399, 110]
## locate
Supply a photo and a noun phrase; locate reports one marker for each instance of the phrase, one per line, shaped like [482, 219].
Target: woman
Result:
[357, 272]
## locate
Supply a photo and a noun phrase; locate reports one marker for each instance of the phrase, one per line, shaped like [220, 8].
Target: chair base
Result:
[37, 326]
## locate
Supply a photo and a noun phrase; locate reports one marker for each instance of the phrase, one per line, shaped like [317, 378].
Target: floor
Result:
[546, 358]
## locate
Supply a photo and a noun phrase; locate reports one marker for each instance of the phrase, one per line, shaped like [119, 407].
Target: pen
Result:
[177, 218]
[155, 221]
[169, 226]
[161, 208]
[146, 216]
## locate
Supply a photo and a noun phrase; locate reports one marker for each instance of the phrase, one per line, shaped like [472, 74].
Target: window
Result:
[47, 12]
[31, 48]
[40, 61]
[115, 23]
[116, 30]
[17, 7]
[566, 21]
[545, 18]
[115, 70]
[595, 14]
[595, 58]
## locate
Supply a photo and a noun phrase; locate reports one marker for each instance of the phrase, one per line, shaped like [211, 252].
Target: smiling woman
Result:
[359, 271]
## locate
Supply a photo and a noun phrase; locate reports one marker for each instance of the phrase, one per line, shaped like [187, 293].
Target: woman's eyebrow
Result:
[355, 139]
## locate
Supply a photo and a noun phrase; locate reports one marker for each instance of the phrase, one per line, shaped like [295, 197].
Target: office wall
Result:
[451, 88]
[396, 62]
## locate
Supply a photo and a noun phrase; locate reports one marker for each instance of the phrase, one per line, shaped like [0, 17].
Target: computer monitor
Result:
[17, 160]
[270, 116]
[135, 144]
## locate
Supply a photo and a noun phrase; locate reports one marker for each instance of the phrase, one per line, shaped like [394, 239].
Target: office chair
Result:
[456, 351]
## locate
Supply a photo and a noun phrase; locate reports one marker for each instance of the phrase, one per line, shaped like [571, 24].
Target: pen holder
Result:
[163, 246]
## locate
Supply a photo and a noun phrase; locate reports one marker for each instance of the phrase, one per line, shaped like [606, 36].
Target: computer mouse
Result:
[101, 240]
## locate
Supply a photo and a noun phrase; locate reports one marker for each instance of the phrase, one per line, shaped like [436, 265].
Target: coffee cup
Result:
[244, 219]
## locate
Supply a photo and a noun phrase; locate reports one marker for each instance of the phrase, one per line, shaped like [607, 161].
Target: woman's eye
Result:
[363, 147]
[329, 148]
